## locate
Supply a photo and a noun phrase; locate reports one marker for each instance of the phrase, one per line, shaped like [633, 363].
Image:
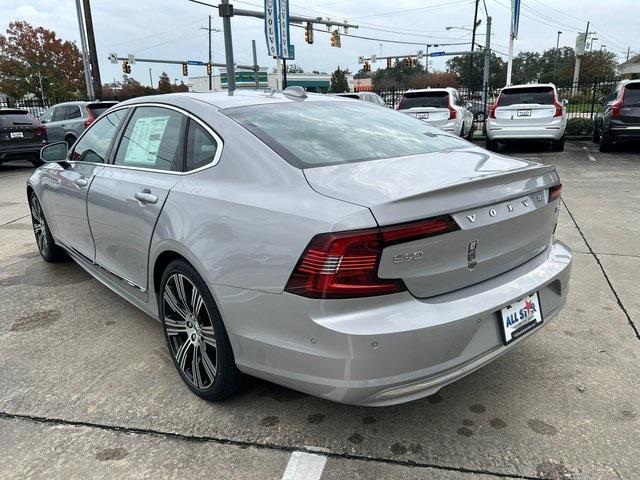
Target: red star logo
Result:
[528, 306]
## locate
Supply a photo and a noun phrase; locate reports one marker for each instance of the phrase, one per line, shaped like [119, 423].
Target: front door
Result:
[127, 197]
[66, 191]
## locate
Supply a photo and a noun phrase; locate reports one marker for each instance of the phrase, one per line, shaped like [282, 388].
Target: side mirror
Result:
[565, 102]
[54, 152]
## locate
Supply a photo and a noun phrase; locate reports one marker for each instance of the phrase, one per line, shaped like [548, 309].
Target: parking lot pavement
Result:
[87, 386]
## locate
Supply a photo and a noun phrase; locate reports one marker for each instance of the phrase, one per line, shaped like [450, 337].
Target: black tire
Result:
[606, 145]
[190, 330]
[480, 117]
[595, 138]
[49, 251]
[35, 161]
[558, 145]
[491, 145]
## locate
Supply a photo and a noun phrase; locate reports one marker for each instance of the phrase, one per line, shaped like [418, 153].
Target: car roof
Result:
[240, 98]
[531, 85]
[429, 90]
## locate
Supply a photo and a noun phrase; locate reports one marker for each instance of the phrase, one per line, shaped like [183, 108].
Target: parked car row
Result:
[619, 120]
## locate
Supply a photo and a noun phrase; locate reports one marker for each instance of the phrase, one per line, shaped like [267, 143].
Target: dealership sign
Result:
[276, 28]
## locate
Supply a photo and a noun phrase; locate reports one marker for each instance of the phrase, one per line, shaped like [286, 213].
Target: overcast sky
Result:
[170, 29]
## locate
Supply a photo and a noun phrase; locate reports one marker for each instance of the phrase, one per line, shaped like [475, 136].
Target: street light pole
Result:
[210, 69]
[473, 45]
[85, 55]
[150, 79]
[555, 64]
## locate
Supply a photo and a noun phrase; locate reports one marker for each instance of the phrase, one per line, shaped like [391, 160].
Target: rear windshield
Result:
[424, 99]
[349, 96]
[319, 133]
[632, 95]
[514, 96]
[99, 109]
[13, 120]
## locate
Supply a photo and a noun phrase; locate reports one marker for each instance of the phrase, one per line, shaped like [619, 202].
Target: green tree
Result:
[164, 84]
[460, 67]
[29, 56]
[526, 68]
[339, 83]
[397, 75]
[293, 68]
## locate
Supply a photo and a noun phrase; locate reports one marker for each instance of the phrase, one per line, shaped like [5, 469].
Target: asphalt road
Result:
[87, 388]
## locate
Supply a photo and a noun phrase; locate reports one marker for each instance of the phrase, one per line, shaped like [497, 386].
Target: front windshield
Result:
[315, 134]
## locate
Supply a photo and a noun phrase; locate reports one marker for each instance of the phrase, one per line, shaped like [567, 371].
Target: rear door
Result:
[75, 121]
[20, 130]
[430, 107]
[55, 124]
[525, 107]
[127, 197]
[630, 111]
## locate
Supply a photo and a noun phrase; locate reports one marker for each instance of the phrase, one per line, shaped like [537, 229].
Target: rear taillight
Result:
[90, 119]
[452, 113]
[400, 104]
[40, 131]
[616, 107]
[558, 106]
[492, 108]
[345, 264]
[555, 192]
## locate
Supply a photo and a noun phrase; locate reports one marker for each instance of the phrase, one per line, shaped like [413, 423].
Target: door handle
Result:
[145, 196]
[81, 182]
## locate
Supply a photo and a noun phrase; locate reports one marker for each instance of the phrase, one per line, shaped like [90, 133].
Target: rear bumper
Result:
[17, 151]
[624, 132]
[549, 132]
[390, 349]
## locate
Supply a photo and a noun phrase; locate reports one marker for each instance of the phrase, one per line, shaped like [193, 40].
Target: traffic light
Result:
[126, 68]
[335, 39]
[209, 69]
[185, 70]
[308, 33]
[408, 61]
[388, 63]
[366, 67]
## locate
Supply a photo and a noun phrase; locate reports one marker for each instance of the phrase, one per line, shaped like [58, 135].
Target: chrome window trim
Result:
[210, 131]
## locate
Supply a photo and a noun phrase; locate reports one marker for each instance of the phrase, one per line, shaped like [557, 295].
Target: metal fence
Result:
[583, 102]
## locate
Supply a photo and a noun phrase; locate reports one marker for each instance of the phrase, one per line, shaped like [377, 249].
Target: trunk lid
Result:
[630, 111]
[500, 203]
[18, 127]
[429, 106]
[525, 107]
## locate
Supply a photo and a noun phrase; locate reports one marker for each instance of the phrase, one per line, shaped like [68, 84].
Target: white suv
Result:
[440, 107]
[527, 112]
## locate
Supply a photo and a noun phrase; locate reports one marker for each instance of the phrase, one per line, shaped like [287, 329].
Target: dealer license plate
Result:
[17, 135]
[524, 113]
[422, 116]
[521, 317]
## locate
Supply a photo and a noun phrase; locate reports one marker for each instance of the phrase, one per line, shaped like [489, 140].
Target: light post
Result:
[555, 64]
[601, 47]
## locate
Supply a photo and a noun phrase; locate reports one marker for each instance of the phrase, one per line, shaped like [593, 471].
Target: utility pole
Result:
[150, 79]
[628, 53]
[426, 58]
[85, 56]
[210, 52]
[226, 12]
[487, 56]
[93, 54]
[255, 64]
[284, 73]
[555, 63]
[473, 45]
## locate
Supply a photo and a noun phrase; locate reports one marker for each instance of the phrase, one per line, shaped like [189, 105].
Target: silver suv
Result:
[66, 121]
[527, 112]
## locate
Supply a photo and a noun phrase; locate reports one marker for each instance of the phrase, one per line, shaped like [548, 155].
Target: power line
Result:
[411, 10]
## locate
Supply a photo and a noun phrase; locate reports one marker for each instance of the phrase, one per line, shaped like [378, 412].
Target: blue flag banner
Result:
[515, 17]
[271, 27]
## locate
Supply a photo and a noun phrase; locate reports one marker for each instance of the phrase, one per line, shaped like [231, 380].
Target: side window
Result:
[73, 112]
[152, 139]
[59, 113]
[201, 147]
[94, 144]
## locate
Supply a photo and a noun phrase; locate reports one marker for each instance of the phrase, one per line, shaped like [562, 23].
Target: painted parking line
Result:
[589, 156]
[304, 466]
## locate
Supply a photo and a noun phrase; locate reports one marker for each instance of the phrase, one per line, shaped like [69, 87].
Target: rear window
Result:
[632, 95]
[99, 108]
[424, 99]
[315, 134]
[514, 96]
[350, 96]
[13, 120]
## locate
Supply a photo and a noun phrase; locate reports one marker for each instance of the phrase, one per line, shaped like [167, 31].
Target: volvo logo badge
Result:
[471, 218]
[471, 255]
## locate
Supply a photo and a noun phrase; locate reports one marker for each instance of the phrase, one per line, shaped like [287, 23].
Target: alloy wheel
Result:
[190, 331]
[39, 226]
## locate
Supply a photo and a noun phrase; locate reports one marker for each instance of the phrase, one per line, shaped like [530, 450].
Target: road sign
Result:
[373, 58]
[292, 52]
[113, 57]
[360, 59]
[131, 59]
[271, 27]
[419, 55]
[195, 62]
[437, 54]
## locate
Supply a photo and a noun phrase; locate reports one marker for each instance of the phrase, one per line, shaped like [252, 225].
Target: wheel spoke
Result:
[171, 300]
[196, 302]
[209, 367]
[35, 210]
[209, 336]
[181, 355]
[179, 283]
[195, 369]
[175, 327]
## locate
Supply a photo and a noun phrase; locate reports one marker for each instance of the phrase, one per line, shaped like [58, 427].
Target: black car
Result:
[620, 117]
[21, 136]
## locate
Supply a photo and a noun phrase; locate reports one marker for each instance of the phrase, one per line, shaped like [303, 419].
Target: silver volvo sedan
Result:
[334, 247]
